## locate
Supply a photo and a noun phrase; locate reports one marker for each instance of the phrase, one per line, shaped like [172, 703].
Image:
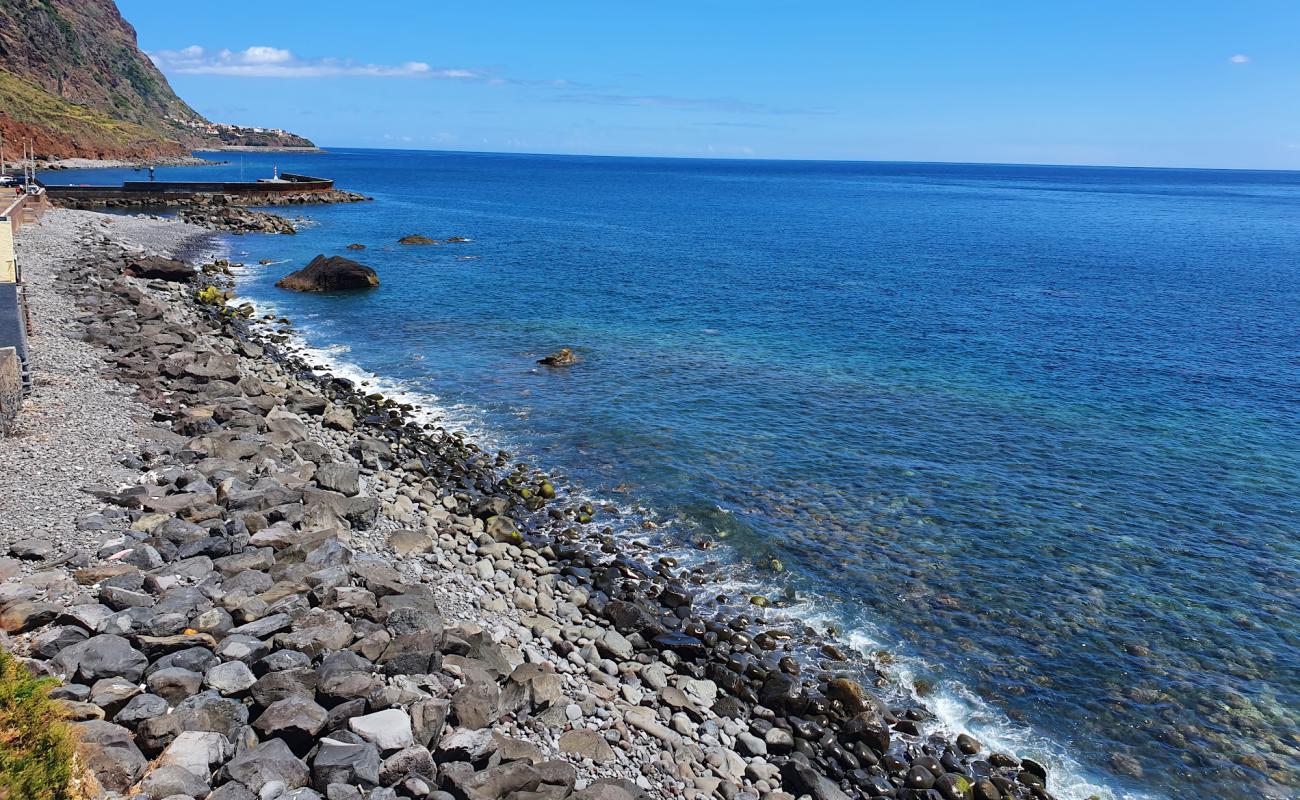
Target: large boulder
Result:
[388, 730]
[109, 752]
[329, 274]
[157, 267]
[268, 762]
[106, 656]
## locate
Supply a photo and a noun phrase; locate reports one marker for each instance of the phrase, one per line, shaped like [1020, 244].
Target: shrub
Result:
[36, 746]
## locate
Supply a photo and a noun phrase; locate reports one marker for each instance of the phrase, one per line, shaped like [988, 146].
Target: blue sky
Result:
[1158, 83]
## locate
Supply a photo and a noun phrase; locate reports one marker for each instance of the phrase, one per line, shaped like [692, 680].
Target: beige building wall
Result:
[8, 264]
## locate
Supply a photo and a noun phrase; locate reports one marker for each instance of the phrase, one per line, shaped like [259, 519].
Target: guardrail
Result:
[15, 369]
[22, 210]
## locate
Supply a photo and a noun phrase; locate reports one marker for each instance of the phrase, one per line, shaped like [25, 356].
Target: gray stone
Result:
[477, 703]
[121, 599]
[197, 751]
[586, 743]
[171, 780]
[104, 656]
[108, 751]
[467, 745]
[389, 729]
[141, 708]
[610, 789]
[751, 744]
[406, 542]
[174, 684]
[339, 762]
[32, 549]
[615, 645]
[341, 478]
[112, 694]
[50, 641]
[495, 783]
[232, 791]
[230, 678]
[798, 777]
[267, 762]
[414, 760]
[296, 719]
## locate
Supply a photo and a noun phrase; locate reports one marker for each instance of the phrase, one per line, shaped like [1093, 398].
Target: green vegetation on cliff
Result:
[62, 125]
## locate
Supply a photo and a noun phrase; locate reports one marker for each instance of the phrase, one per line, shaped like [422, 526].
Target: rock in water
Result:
[328, 274]
[356, 246]
[564, 357]
[416, 238]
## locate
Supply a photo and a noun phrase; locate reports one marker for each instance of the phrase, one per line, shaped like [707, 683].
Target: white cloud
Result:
[261, 61]
[1239, 59]
[267, 55]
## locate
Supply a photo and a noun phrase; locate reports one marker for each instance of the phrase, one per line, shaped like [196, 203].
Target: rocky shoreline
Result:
[235, 219]
[114, 163]
[288, 588]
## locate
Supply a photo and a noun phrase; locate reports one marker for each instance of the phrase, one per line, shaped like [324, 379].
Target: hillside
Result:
[69, 130]
[74, 81]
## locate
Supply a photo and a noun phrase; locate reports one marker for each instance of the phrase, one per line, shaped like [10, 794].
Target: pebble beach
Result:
[253, 580]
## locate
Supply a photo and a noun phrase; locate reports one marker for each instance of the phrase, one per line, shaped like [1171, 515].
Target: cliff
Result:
[74, 81]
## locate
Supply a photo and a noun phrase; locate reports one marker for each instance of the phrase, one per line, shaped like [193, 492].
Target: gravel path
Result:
[71, 431]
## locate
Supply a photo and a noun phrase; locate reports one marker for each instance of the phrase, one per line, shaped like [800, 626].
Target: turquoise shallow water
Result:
[1033, 430]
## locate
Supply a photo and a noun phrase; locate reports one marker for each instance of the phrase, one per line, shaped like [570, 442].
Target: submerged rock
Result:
[327, 274]
[564, 357]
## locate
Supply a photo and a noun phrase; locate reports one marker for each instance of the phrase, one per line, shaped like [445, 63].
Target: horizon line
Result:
[325, 149]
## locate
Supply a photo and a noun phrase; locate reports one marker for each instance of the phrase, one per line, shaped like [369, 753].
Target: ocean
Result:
[1027, 436]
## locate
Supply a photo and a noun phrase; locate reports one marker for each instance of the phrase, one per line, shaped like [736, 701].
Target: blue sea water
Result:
[1030, 433]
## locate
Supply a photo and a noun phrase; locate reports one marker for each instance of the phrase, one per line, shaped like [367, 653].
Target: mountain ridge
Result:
[74, 82]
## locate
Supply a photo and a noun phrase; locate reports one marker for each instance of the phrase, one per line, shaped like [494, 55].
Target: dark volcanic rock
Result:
[267, 762]
[167, 269]
[106, 656]
[328, 274]
[108, 751]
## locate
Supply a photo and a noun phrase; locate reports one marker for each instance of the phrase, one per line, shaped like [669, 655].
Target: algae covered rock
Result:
[564, 357]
